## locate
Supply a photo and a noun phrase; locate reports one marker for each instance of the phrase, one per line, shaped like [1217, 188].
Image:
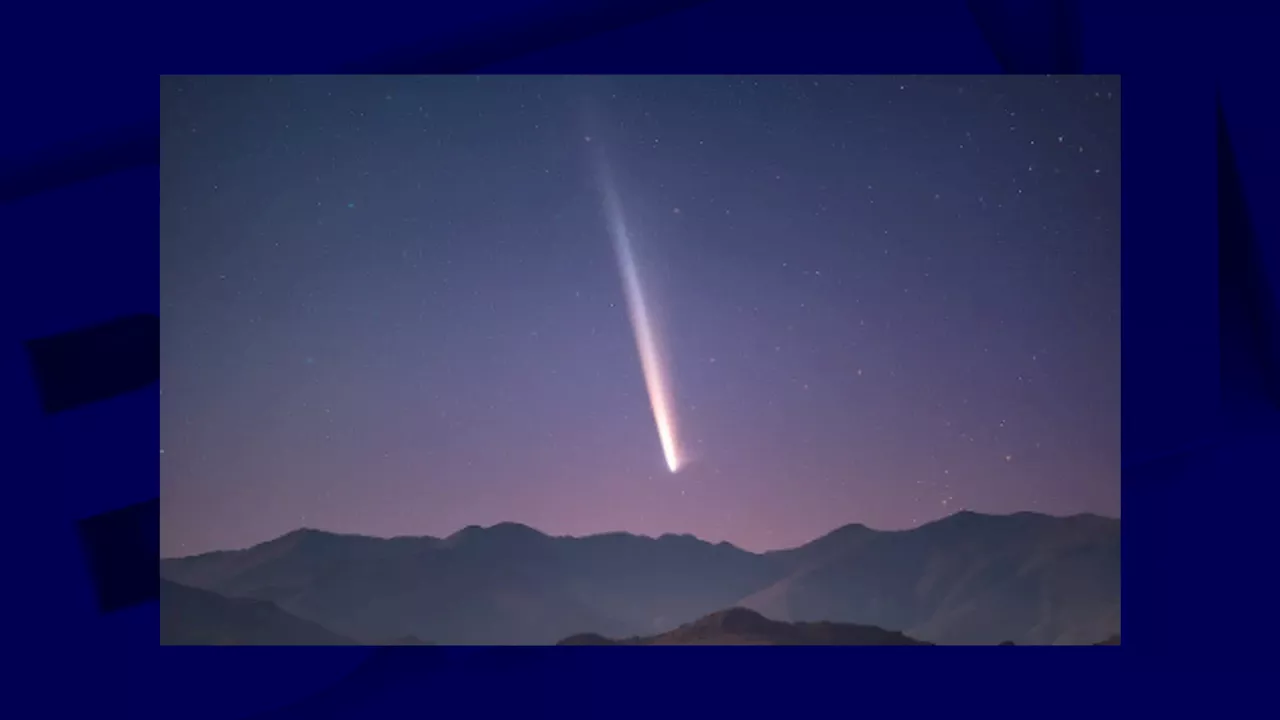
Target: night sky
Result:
[391, 305]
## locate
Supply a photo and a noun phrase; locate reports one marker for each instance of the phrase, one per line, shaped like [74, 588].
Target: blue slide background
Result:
[79, 358]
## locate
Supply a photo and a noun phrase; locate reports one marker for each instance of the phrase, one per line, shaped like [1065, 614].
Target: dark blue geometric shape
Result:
[1031, 38]
[83, 159]
[529, 30]
[96, 363]
[121, 548]
[1249, 325]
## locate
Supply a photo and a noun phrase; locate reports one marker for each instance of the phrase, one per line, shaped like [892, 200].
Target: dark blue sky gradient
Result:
[390, 304]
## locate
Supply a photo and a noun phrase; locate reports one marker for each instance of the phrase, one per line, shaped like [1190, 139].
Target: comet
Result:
[653, 360]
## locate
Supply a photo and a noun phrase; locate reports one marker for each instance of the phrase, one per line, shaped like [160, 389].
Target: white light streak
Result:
[653, 362]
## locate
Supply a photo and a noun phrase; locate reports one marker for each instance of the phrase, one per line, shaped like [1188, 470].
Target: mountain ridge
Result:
[968, 578]
[310, 531]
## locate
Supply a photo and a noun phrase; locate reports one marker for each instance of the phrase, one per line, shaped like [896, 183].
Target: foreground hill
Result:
[965, 579]
[189, 616]
[739, 626]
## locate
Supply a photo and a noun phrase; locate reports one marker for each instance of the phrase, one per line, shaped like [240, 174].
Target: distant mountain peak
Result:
[587, 639]
[971, 517]
[841, 537]
[740, 626]
[966, 518]
[515, 527]
[736, 620]
[502, 530]
[1026, 514]
[310, 536]
[310, 533]
[851, 529]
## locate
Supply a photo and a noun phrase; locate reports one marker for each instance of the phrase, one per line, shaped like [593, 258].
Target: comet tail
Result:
[653, 362]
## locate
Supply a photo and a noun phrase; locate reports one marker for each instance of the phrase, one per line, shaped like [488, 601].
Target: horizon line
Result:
[544, 533]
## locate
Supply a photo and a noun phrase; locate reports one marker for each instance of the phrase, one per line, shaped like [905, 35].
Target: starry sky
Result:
[391, 305]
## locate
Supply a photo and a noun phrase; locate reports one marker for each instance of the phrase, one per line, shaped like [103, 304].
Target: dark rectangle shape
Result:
[121, 547]
[96, 363]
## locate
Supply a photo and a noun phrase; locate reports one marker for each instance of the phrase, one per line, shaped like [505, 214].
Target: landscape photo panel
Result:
[640, 360]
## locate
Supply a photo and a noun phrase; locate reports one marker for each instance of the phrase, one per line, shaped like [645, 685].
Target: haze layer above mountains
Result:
[966, 579]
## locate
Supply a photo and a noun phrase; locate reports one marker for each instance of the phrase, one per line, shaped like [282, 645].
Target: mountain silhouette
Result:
[190, 616]
[739, 626]
[965, 579]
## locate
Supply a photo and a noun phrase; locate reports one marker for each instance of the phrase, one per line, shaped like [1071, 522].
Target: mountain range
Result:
[968, 578]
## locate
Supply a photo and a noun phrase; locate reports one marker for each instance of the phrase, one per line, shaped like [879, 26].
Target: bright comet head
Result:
[672, 460]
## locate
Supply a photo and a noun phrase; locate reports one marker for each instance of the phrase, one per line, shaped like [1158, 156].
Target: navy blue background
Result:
[78, 232]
